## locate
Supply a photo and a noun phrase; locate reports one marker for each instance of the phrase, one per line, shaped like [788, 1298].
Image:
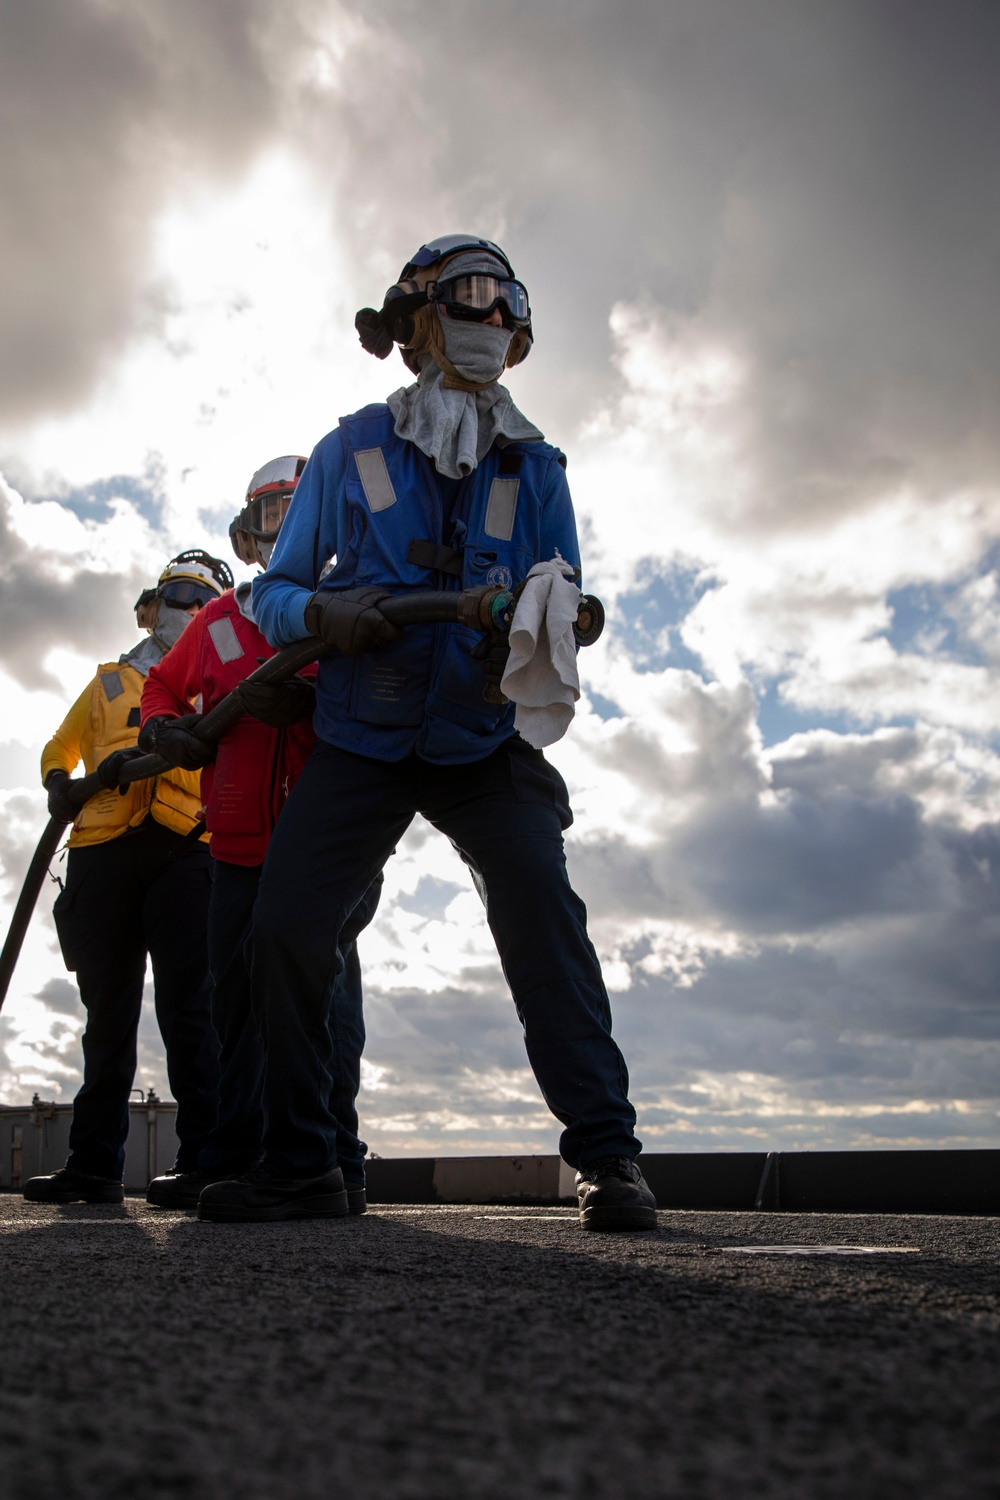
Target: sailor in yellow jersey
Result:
[138, 879]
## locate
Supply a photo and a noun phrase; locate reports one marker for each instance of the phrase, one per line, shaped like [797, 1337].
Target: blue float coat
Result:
[364, 497]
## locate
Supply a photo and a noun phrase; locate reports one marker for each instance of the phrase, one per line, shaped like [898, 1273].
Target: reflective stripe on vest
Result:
[225, 639]
[375, 479]
[501, 508]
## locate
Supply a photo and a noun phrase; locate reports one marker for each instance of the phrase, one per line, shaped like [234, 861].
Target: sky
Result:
[761, 240]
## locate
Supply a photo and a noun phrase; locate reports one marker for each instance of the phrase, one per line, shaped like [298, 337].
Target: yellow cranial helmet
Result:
[192, 577]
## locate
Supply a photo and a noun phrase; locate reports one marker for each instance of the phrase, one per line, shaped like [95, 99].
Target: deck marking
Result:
[820, 1249]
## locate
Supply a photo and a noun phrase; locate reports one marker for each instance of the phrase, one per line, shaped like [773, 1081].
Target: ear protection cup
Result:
[520, 347]
[146, 608]
[399, 327]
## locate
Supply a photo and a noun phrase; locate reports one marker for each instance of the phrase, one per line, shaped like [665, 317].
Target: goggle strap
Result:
[405, 304]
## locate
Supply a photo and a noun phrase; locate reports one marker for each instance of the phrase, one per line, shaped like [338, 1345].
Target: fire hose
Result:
[487, 609]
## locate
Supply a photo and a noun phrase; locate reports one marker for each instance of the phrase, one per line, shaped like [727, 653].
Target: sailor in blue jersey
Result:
[446, 486]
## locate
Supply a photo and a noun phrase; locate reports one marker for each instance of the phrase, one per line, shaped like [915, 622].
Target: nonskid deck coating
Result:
[496, 1352]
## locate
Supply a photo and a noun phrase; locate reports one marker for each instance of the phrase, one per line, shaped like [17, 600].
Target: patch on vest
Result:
[375, 479]
[501, 508]
[500, 577]
[225, 639]
[113, 685]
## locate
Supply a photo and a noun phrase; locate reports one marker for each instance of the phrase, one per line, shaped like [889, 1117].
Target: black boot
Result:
[613, 1195]
[180, 1189]
[357, 1201]
[267, 1193]
[67, 1186]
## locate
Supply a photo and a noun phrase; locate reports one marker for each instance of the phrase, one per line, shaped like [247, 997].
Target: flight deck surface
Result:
[497, 1352]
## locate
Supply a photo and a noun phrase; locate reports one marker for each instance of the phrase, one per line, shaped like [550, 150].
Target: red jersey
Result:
[245, 787]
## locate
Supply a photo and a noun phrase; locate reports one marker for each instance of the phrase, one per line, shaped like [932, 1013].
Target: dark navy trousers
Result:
[505, 815]
[236, 1143]
[142, 893]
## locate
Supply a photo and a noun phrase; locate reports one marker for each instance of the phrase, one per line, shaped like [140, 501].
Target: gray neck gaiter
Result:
[170, 625]
[148, 653]
[456, 428]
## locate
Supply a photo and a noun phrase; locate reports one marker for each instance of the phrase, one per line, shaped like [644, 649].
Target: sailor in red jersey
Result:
[245, 781]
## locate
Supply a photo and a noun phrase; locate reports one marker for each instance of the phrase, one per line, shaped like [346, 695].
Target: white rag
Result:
[541, 675]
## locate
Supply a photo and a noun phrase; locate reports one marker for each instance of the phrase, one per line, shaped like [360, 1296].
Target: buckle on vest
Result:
[425, 554]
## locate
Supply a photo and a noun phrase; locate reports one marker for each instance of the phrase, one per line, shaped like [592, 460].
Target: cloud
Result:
[828, 830]
[40, 1054]
[882, 613]
[22, 818]
[49, 595]
[796, 183]
[109, 105]
[59, 995]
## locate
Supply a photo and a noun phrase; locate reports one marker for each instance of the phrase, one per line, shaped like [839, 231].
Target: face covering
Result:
[477, 350]
[170, 625]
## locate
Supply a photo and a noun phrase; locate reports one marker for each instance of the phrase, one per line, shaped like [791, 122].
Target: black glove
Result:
[60, 806]
[351, 620]
[278, 704]
[108, 770]
[493, 651]
[177, 741]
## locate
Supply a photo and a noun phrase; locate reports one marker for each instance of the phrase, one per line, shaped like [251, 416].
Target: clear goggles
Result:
[259, 520]
[181, 593]
[476, 296]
